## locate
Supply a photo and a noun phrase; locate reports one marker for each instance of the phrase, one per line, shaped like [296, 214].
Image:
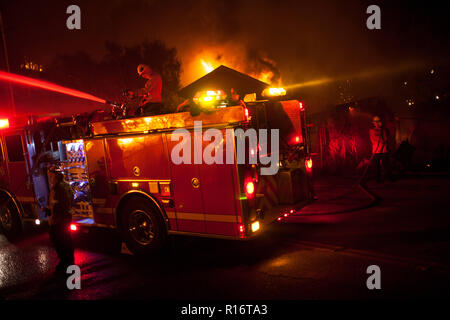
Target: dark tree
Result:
[73, 70]
[117, 70]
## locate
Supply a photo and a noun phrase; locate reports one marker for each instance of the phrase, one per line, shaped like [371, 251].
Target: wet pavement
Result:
[309, 256]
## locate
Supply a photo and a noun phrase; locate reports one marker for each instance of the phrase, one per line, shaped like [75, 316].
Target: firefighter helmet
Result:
[377, 122]
[143, 69]
[56, 171]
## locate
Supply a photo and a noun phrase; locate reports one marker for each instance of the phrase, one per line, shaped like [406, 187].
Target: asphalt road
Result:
[316, 256]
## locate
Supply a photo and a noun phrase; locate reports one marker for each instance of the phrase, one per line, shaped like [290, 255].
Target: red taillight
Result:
[297, 139]
[73, 227]
[4, 123]
[246, 114]
[308, 164]
[241, 231]
[301, 106]
[165, 189]
[285, 215]
[249, 188]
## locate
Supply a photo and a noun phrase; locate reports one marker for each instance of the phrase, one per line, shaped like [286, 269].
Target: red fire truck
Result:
[123, 176]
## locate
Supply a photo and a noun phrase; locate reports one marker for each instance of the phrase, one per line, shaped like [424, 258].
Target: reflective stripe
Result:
[170, 214]
[201, 216]
[26, 199]
[104, 210]
[98, 200]
[221, 218]
[141, 180]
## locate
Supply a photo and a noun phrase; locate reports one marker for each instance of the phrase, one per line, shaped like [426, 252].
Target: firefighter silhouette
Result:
[379, 136]
[60, 216]
[150, 101]
[147, 100]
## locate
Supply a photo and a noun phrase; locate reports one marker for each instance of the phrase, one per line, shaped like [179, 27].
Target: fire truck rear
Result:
[124, 177]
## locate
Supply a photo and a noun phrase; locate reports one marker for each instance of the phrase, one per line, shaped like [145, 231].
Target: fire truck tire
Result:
[10, 223]
[143, 227]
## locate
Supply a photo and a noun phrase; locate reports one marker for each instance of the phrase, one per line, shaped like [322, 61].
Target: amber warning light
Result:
[209, 97]
[274, 92]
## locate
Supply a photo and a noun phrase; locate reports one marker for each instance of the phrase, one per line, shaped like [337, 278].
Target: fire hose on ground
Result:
[373, 198]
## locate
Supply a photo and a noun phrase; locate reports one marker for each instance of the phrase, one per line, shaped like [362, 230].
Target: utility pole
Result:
[5, 53]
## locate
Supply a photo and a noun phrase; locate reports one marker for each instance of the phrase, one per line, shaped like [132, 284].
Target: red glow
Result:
[73, 227]
[246, 114]
[292, 211]
[301, 106]
[241, 231]
[286, 214]
[297, 139]
[308, 164]
[250, 188]
[4, 123]
[6, 76]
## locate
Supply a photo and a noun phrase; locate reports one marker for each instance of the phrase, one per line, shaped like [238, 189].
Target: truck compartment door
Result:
[187, 186]
[19, 183]
[218, 184]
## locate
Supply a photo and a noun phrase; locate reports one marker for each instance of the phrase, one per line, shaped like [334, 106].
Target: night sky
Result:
[306, 40]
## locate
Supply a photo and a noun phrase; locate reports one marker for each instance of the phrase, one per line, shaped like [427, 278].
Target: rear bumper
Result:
[270, 216]
[281, 211]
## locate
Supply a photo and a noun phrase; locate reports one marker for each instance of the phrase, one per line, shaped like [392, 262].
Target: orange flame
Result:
[205, 59]
[265, 76]
[207, 66]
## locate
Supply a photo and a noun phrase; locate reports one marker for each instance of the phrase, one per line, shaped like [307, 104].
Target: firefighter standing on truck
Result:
[379, 137]
[150, 101]
[60, 211]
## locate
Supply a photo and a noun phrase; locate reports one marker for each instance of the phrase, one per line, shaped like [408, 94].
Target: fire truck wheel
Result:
[142, 227]
[10, 223]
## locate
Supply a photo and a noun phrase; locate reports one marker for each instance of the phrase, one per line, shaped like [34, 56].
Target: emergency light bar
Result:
[209, 98]
[274, 92]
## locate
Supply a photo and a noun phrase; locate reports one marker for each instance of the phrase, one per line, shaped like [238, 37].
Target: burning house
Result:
[224, 78]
